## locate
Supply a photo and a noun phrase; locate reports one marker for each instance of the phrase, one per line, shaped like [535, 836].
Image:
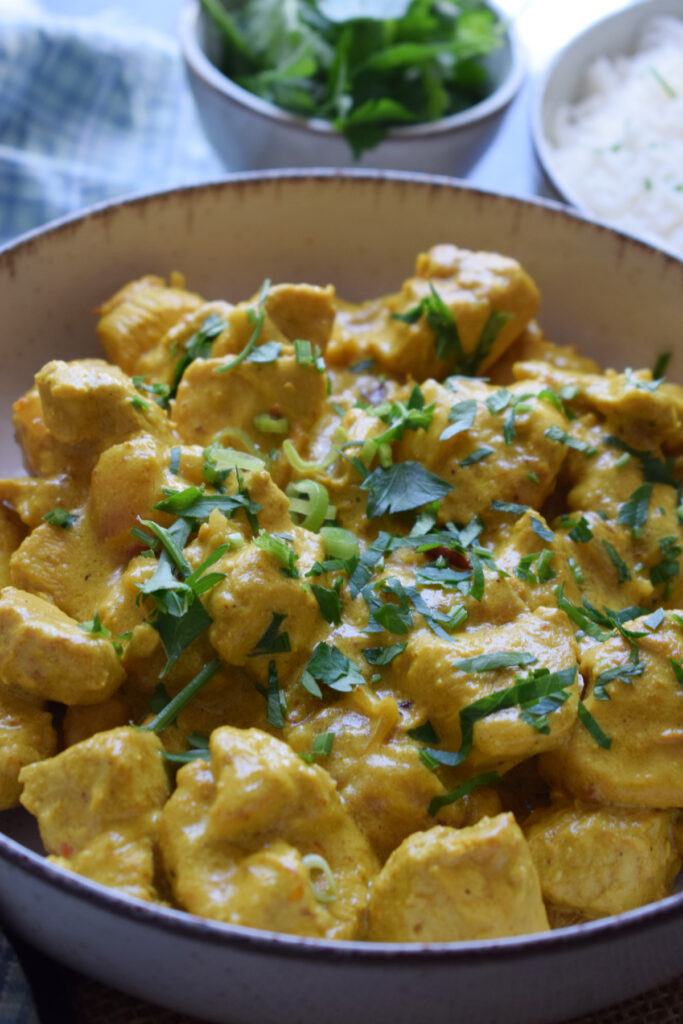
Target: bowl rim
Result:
[225, 935]
[199, 65]
[542, 144]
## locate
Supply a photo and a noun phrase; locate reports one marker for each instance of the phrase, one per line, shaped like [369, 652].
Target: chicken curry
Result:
[352, 621]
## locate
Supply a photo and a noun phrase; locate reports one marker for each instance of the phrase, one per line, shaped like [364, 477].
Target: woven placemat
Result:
[64, 995]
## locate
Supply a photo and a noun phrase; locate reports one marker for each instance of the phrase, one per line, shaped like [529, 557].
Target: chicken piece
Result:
[46, 654]
[42, 453]
[442, 680]
[641, 412]
[256, 837]
[194, 335]
[26, 735]
[209, 401]
[253, 592]
[584, 567]
[477, 287]
[69, 566]
[136, 317]
[384, 785]
[126, 482]
[482, 460]
[602, 860]
[302, 311]
[533, 345]
[97, 805]
[458, 885]
[634, 695]
[89, 400]
[11, 536]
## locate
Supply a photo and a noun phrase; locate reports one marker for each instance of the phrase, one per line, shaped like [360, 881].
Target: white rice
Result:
[619, 150]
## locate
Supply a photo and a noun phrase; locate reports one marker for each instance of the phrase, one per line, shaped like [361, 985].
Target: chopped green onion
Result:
[304, 465]
[268, 424]
[230, 433]
[314, 862]
[339, 543]
[314, 504]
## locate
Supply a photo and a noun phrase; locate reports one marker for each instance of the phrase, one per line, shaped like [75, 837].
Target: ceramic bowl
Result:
[562, 82]
[618, 299]
[248, 132]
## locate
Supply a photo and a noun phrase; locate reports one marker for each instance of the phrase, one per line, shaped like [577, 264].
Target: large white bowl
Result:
[618, 299]
[247, 132]
[562, 82]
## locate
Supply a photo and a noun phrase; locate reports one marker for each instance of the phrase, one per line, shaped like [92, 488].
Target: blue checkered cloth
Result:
[16, 1002]
[90, 110]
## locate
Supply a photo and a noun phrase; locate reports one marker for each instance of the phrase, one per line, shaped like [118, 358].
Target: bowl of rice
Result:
[608, 122]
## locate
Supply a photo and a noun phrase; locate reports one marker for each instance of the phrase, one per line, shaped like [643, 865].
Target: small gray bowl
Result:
[561, 84]
[250, 133]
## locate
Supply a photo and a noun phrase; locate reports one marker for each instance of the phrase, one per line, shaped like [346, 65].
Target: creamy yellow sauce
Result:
[348, 621]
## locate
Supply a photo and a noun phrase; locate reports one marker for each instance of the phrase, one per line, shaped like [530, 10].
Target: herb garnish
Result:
[363, 66]
[329, 667]
[402, 487]
[60, 517]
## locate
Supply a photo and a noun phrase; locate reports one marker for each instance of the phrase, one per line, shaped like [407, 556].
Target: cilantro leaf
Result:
[272, 641]
[383, 655]
[329, 667]
[634, 512]
[402, 487]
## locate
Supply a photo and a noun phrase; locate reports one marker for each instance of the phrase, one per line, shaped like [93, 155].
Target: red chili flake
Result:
[456, 558]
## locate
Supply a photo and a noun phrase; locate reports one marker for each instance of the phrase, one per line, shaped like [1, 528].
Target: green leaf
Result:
[464, 789]
[178, 633]
[556, 433]
[275, 700]
[593, 728]
[272, 641]
[425, 733]
[461, 417]
[625, 673]
[281, 548]
[169, 714]
[267, 353]
[634, 512]
[402, 487]
[623, 573]
[677, 670]
[525, 693]
[327, 666]
[494, 660]
[329, 603]
[198, 346]
[383, 655]
[476, 456]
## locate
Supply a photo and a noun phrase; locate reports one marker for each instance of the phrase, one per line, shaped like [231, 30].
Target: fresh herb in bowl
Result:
[364, 65]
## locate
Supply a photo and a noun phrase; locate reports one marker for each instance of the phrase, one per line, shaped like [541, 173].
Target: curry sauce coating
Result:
[243, 835]
[447, 884]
